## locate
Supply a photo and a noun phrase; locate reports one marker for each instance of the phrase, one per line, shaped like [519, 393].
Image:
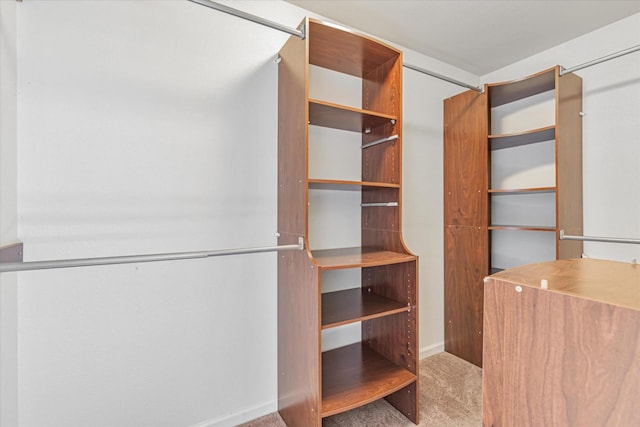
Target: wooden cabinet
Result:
[312, 383]
[568, 355]
[512, 174]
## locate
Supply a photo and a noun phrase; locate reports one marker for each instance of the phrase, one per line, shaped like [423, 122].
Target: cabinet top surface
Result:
[604, 281]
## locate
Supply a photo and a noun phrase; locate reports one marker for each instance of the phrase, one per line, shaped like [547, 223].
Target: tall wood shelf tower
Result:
[313, 384]
[512, 181]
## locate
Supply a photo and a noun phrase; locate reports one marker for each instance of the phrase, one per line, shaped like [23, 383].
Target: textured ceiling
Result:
[478, 36]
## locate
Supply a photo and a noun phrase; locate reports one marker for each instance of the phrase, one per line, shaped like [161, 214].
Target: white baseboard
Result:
[243, 416]
[432, 349]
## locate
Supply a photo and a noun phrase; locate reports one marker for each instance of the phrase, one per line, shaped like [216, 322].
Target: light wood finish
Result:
[566, 356]
[327, 114]
[468, 190]
[569, 164]
[501, 141]
[313, 385]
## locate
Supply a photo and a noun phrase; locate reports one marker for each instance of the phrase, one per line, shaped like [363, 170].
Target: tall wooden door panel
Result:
[465, 159]
[466, 264]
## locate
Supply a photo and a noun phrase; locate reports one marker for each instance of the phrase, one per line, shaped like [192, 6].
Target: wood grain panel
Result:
[514, 90]
[466, 159]
[346, 51]
[557, 359]
[569, 164]
[299, 375]
[466, 255]
[354, 376]
[292, 137]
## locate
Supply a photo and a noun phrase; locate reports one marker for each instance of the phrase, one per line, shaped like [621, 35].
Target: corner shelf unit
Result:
[512, 181]
[314, 384]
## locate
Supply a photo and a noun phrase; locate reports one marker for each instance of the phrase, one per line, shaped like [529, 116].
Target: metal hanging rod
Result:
[301, 34]
[88, 262]
[599, 239]
[383, 204]
[478, 89]
[250, 17]
[380, 141]
[564, 71]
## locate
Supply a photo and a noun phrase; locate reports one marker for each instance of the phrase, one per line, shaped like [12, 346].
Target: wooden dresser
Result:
[568, 355]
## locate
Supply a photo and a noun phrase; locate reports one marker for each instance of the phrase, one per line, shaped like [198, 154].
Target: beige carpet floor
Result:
[450, 396]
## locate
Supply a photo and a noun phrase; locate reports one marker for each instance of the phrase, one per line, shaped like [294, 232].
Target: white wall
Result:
[8, 215]
[611, 125]
[150, 127]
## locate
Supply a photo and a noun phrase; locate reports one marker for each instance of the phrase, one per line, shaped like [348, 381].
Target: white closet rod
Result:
[88, 262]
[301, 34]
[249, 17]
[599, 239]
[618, 54]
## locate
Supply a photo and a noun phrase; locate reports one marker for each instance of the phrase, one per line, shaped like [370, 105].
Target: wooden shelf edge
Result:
[508, 191]
[341, 107]
[335, 184]
[521, 228]
[355, 305]
[355, 375]
[357, 257]
[516, 139]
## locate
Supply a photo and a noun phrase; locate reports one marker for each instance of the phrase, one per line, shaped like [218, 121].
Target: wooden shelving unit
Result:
[486, 207]
[314, 384]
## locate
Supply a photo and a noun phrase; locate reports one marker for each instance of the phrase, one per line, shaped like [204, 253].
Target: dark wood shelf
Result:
[522, 227]
[346, 51]
[514, 90]
[334, 184]
[354, 375]
[335, 259]
[355, 305]
[327, 114]
[510, 140]
[512, 191]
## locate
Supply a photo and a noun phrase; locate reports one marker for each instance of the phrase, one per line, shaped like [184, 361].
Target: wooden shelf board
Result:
[354, 375]
[346, 51]
[510, 140]
[506, 92]
[327, 114]
[333, 184]
[511, 191]
[334, 259]
[522, 227]
[355, 305]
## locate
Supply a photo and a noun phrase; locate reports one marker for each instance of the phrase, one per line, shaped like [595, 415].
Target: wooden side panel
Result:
[558, 360]
[466, 263]
[293, 115]
[299, 359]
[466, 159]
[299, 363]
[569, 163]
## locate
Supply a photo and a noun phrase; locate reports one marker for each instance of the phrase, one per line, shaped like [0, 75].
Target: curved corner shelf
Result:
[356, 305]
[509, 140]
[334, 184]
[335, 116]
[512, 191]
[347, 385]
[343, 258]
[522, 228]
[514, 90]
